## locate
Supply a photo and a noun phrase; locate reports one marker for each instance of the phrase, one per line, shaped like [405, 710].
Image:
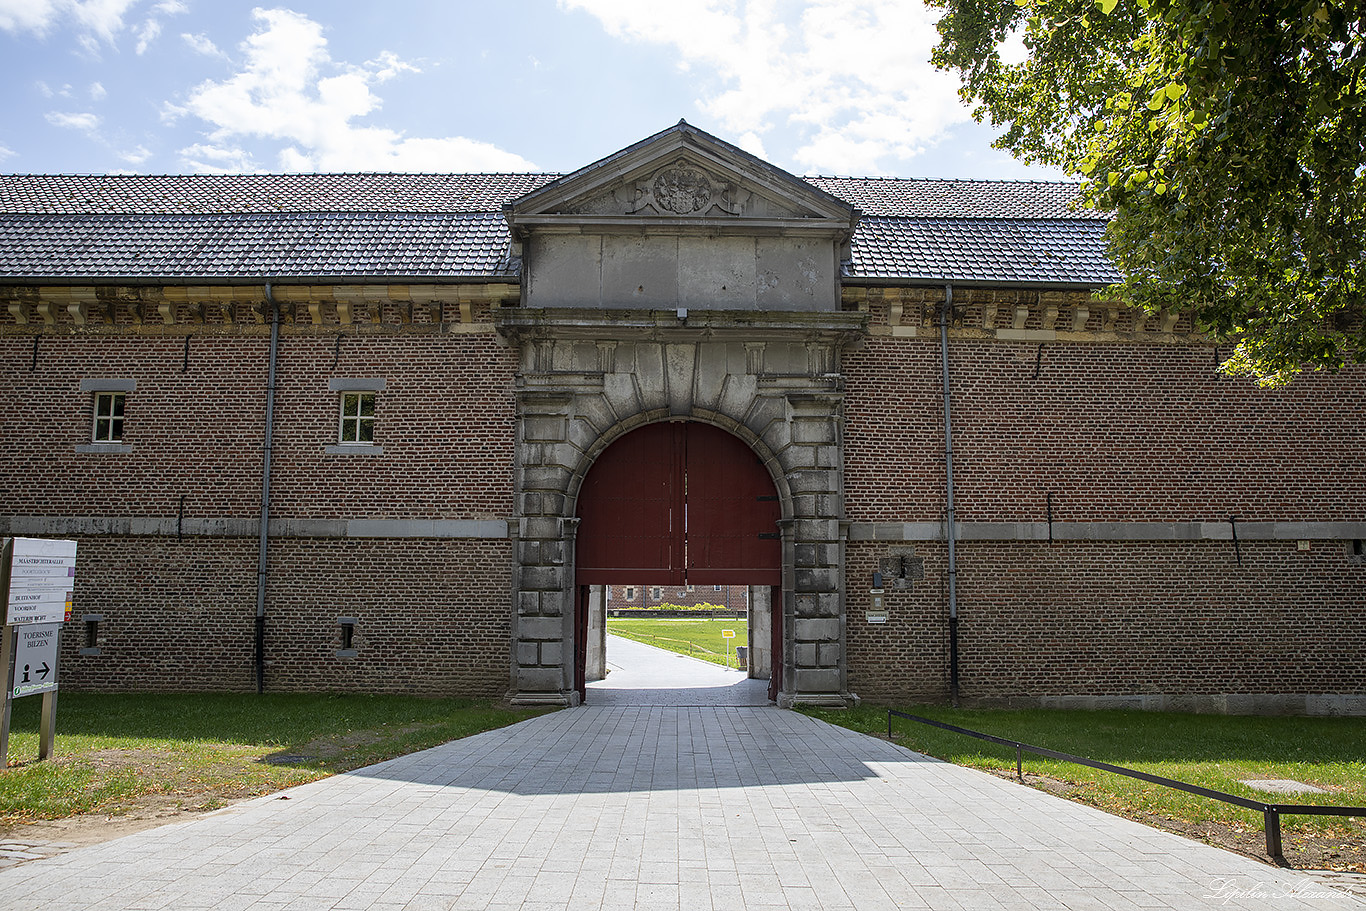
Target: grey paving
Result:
[640, 674]
[659, 807]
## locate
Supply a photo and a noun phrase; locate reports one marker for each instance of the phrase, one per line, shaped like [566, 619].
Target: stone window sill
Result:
[361, 449]
[105, 448]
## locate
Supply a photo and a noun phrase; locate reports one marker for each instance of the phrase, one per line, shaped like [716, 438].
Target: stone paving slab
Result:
[640, 674]
[658, 807]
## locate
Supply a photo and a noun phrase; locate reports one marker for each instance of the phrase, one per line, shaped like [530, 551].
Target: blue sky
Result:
[185, 86]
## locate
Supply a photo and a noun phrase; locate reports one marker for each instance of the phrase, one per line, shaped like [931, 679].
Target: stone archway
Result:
[772, 382]
[677, 503]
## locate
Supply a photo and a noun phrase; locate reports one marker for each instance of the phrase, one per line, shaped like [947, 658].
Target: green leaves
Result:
[1223, 137]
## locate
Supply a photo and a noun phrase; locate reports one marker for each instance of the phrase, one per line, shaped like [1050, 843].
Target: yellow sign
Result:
[727, 634]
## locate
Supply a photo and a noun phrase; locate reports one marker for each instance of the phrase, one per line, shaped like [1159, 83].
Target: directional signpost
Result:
[37, 577]
[728, 634]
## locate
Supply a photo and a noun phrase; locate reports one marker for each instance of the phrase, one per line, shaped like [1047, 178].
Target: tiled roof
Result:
[290, 244]
[179, 194]
[899, 198]
[1008, 250]
[451, 226]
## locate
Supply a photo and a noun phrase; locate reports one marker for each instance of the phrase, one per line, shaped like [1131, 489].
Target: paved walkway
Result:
[641, 674]
[659, 807]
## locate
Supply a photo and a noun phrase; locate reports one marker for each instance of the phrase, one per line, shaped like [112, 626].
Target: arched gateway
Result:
[681, 283]
[678, 503]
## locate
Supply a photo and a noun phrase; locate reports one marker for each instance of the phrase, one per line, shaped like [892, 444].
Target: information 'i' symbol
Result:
[25, 680]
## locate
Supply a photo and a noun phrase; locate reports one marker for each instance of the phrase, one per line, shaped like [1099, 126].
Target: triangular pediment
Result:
[679, 176]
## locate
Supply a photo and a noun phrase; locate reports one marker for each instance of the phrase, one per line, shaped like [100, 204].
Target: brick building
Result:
[397, 432]
[644, 597]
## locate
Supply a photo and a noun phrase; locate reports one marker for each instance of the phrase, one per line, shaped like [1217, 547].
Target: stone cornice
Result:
[519, 325]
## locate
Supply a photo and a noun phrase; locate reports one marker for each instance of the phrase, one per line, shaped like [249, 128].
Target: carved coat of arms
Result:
[682, 190]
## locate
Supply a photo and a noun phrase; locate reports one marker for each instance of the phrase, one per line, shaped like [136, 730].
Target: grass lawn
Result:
[115, 753]
[698, 638]
[1214, 751]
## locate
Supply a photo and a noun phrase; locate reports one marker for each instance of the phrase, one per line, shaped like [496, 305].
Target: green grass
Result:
[200, 750]
[698, 638]
[1213, 751]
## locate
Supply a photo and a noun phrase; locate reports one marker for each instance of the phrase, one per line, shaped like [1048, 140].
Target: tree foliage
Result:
[1224, 136]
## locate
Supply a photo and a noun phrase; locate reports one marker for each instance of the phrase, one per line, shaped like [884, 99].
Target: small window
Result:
[108, 417]
[1356, 551]
[656, 593]
[630, 594]
[716, 588]
[357, 417]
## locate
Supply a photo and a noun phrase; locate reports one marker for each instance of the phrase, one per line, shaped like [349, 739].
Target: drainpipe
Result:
[948, 469]
[265, 494]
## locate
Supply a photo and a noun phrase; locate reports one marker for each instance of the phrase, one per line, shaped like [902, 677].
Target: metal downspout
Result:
[951, 534]
[264, 537]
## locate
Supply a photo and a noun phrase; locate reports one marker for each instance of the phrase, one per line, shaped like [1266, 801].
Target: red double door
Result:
[678, 503]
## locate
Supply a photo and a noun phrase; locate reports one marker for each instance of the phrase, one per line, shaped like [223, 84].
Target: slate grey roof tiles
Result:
[290, 244]
[179, 194]
[1050, 251]
[451, 226]
[903, 198]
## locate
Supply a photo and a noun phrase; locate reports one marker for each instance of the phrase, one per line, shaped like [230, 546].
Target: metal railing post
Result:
[1272, 818]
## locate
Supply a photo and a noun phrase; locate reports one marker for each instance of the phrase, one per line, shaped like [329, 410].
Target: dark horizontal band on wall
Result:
[1108, 531]
[49, 526]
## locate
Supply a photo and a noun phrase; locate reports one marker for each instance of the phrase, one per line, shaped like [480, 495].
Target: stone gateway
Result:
[392, 432]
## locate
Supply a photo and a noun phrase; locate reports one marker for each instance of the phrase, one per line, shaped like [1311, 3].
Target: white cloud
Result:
[83, 121]
[291, 91]
[147, 33]
[97, 91]
[27, 15]
[95, 22]
[201, 44]
[852, 77]
[136, 156]
[208, 159]
[6, 152]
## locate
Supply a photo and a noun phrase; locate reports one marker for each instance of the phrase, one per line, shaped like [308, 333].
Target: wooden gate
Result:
[677, 503]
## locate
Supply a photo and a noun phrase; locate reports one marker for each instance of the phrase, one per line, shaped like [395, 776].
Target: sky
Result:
[831, 87]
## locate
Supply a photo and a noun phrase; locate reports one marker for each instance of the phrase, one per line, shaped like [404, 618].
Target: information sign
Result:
[727, 634]
[35, 659]
[42, 576]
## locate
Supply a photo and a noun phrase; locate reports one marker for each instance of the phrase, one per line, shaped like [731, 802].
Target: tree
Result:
[1225, 137]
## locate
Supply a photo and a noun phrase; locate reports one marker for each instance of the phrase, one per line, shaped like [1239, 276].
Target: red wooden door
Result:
[678, 503]
[631, 511]
[732, 512]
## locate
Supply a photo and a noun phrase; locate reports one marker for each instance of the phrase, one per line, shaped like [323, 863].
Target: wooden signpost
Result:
[37, 577]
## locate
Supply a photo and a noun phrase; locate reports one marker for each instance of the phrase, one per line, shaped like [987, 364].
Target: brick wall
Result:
[432, 616]
[1117, 432]
[730, 596]
[1115, 618]
[178, 614]
[195, 434]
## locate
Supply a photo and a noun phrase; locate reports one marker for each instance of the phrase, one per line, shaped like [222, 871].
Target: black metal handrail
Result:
[1271, 812]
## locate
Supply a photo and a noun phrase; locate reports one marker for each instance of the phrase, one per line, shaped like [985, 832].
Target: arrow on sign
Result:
[44, 670]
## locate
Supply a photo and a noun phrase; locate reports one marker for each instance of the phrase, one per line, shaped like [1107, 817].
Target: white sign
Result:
[35, 659]
[42, 577]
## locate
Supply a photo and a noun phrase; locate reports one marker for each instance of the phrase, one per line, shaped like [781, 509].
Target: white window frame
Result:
[111, 391]
[354, 425]
[108, 424]
[357, 390]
